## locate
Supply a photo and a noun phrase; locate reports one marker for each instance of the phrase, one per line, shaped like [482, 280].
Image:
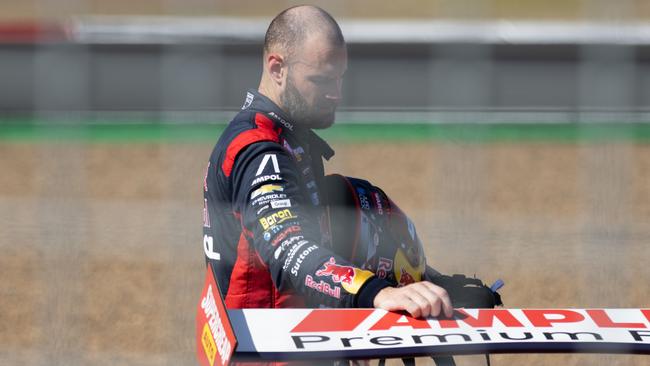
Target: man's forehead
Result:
[317, 53]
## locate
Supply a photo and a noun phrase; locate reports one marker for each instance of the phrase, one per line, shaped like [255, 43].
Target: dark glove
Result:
[466, 292]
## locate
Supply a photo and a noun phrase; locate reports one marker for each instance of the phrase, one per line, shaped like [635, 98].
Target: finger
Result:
[402, 300]
[447, 306]
[412, 308]
[434, 301]
[394, 299]
[423, 302]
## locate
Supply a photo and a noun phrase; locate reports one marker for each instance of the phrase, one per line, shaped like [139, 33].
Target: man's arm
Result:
[284, 228]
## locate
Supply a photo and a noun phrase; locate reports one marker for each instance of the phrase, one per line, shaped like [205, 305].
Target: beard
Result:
[301, 112]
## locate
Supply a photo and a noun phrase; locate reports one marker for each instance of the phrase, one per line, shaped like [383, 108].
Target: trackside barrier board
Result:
[215, 338]
[285, 334]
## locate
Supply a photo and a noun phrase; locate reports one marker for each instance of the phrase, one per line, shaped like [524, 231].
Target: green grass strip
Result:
[342, 132]
[139, 132]
[485, 133]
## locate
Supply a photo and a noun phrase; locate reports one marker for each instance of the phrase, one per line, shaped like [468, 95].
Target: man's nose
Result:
[334, 94]
[335, 97]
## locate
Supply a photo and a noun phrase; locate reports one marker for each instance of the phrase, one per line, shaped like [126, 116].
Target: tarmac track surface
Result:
[101, 259]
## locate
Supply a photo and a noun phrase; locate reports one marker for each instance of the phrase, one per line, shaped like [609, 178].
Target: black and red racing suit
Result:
[261, 217]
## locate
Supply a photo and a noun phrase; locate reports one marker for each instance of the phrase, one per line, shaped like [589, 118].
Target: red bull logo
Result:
[340, 274]
[406, 278]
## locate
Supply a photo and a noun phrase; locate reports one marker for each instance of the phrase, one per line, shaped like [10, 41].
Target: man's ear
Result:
[277, 68]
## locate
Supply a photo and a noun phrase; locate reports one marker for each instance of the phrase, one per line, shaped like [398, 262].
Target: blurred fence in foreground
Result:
[424, 70]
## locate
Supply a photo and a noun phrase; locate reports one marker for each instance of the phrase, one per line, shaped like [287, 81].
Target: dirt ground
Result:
[101, 260]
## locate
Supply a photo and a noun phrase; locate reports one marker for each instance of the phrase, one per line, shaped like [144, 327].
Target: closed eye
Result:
[321, 79]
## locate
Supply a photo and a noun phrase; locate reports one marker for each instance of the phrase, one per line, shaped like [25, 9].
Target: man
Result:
[263, 185]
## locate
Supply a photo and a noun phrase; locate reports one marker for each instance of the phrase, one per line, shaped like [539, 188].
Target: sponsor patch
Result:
[265, 160]
[265, 178]
[405, 273]
[378, 202]
[323, 287]
[283, 235]
[287, 243]
[209, 346]
[384, 267]
[272, 230]
[298, 153]
[264, 208]
[205, 178]
[282, 121]
[206, 214]
[292, 253]
[276, 218]
[339, 274]
[209, 249]
[349, 277]
[365, 332]
[287, 147]
[301, 258]
[405, 278]
[248, 101]
[363, 199]
[281, 203]
[267, 188]
[216, 340]
[262, 200]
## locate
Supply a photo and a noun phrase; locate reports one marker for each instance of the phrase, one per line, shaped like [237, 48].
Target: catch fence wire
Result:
[114, 228]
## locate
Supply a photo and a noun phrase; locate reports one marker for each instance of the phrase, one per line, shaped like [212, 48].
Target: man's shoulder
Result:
[241, 122]
[251, 123]
[248, 127]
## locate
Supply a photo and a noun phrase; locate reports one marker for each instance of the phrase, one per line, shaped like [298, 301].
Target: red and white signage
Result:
[283, 334]
[302, 334]
[215, 338]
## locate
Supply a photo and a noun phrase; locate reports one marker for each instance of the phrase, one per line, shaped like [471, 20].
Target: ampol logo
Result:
[331, 320]
[538, 330]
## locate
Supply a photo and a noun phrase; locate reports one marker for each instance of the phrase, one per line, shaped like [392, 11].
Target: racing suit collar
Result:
[259, 102]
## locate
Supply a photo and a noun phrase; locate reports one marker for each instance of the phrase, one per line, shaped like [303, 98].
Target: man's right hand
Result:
[420, 299]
